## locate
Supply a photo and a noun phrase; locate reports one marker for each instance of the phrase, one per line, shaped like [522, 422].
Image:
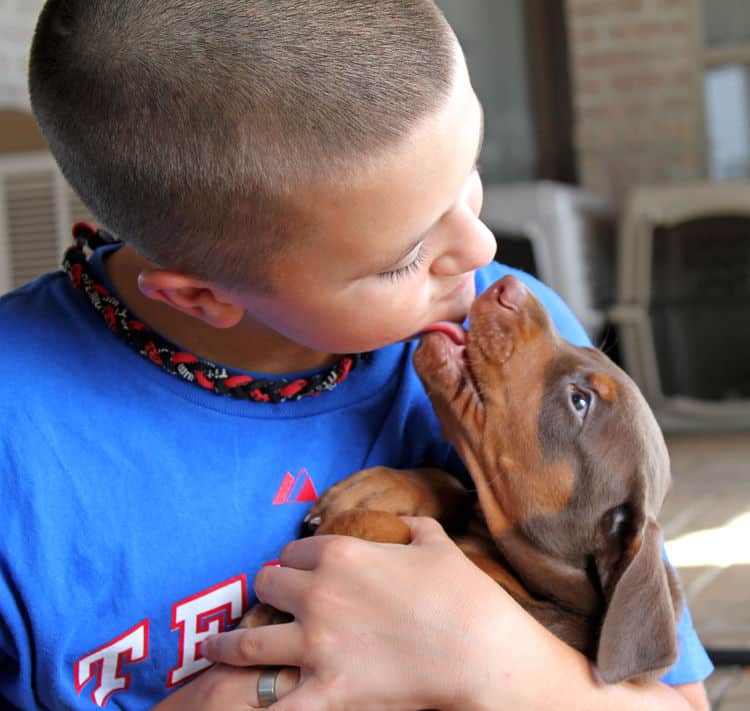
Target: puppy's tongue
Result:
[454, 331]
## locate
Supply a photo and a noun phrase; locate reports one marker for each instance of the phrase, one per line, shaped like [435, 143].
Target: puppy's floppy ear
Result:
[638, 638]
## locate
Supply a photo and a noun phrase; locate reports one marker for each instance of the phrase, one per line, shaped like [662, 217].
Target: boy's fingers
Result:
[274, 645]
[302, 554]
[308, 554]
[282, 587]
[308, 695]
[236, 687]
[425, 530]
[287, 680]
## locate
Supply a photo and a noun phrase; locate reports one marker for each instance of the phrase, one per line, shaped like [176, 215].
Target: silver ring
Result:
[267, 687]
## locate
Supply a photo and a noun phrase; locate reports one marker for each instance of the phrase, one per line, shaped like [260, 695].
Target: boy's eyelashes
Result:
[421, 256]
[411, 268]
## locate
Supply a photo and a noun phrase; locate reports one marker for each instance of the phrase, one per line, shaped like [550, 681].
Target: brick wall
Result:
[636, 92]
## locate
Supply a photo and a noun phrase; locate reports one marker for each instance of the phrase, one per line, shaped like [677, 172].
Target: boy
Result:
[292, 182]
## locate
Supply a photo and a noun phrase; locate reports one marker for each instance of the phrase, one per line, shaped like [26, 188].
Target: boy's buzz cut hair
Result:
[183, 124]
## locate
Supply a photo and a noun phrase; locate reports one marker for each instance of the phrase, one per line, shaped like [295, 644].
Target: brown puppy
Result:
[570, 470]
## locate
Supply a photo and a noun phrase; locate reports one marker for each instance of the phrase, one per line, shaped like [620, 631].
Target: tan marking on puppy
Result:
[520, 495]
[605, 387]
[556, 493]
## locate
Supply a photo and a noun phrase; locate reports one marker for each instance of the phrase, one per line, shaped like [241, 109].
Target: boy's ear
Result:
[191, 296]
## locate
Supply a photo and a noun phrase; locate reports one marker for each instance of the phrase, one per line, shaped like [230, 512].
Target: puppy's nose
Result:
[511, 293]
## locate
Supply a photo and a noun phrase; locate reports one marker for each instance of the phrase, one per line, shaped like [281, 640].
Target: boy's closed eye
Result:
[418, 250]
[411, 267]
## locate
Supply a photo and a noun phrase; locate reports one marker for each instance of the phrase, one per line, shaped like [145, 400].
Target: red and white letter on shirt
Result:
[200, 616]
[105, 663]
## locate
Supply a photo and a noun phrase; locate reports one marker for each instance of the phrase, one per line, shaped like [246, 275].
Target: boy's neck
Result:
[248, 346]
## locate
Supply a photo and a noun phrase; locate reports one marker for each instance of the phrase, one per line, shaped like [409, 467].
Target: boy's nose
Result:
[470, 245]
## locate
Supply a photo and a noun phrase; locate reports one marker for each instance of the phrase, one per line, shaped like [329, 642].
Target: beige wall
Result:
[637, 93]
[18, 132]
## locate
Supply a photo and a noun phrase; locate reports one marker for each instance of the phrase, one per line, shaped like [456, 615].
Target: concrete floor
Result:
[706, 522]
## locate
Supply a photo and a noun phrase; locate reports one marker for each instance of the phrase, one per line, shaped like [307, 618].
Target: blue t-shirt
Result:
[137, 508]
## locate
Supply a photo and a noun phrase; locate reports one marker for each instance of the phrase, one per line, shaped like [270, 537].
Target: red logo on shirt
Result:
[296, 489]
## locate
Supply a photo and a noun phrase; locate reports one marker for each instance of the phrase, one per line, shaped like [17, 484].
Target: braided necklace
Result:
[168, 356]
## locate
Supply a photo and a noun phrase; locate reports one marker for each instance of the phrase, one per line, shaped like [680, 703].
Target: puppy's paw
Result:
[377, 526]
[400, 492]
[378, 488]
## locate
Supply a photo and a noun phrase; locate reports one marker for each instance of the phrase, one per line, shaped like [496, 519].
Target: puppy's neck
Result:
[547, 577]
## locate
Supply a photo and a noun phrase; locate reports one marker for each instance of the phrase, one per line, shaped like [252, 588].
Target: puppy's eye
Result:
[618, 521]
[580, 402]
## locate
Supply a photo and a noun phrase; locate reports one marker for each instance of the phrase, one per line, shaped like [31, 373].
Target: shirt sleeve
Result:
[693, 664]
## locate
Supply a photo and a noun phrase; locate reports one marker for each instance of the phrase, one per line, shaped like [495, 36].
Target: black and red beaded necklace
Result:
[169, 357]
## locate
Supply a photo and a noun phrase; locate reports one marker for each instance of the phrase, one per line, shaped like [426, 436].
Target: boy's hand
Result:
[224, 688]
[383, 627]
[376, 626]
